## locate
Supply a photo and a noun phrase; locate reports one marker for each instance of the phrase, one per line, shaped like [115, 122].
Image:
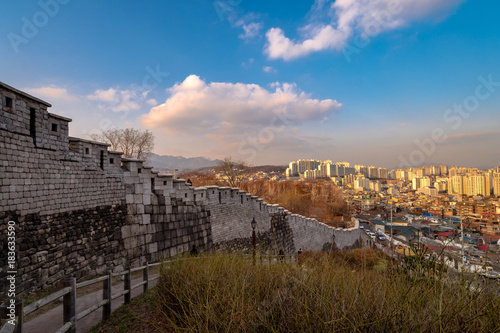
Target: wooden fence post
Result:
[20, 315]
[69, 304]
[126, 286]
[106, 294]
[145, 278]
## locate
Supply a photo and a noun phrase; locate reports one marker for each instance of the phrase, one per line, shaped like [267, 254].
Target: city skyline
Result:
[267, 83]
[348, 163]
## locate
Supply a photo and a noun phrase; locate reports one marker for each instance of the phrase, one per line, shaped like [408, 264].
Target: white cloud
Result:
[248, 64]
[233, 110]
[110, 95]
[249, 23]
[119, 100]
[280, 46]
[269, 69]
[152, 101]
[333, 23]
[52, 92]
[250, 30]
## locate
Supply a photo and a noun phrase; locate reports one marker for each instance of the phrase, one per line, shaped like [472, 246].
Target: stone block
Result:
[138, 198]
[130, 198]
[130, 188]
[153, 247]
[126, 231]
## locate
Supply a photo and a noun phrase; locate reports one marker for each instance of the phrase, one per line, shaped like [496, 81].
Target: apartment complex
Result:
[311, 169]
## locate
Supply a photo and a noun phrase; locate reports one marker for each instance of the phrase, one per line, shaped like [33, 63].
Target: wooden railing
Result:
[71, 318]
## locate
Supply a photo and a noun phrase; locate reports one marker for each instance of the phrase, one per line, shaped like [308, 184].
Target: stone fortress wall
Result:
[81, 209]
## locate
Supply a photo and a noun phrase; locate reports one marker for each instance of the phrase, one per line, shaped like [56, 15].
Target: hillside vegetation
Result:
[357, 291]
[320, 199]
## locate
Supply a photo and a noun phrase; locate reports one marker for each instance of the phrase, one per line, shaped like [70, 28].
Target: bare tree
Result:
[132, 142]
[234, 172]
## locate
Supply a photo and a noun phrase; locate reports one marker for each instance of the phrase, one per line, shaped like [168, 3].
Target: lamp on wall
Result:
[254, 225]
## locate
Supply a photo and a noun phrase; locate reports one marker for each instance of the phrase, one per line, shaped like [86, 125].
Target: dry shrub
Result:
[317, 198]
[224, 293]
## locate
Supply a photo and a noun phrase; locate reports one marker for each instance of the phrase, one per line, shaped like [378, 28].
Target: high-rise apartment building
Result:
[349, 171]
[401, 175]
[496, 184]
[373, 172]
[419, 182]
[362, 183]
[456, 185]
[455, 171]
[383, 173]
[304, 165]
[420, 172]
[321, 171]
[375, 186]
[332, 170]
[441, 185]
[362, 169]
[478, 185]
[294, 171]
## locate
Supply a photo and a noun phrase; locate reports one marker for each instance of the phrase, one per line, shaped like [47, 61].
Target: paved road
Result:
[52, 320]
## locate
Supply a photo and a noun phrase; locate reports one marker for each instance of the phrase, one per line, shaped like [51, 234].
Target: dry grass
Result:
[357, 291]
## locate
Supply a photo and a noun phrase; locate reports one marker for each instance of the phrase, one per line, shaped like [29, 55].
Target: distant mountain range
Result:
[181, 163]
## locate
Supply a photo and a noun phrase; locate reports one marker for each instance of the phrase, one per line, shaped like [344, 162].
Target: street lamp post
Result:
[462, 236]
[254, 225]
[392, 244]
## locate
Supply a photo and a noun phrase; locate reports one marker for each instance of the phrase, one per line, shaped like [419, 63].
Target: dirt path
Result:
[52, 320]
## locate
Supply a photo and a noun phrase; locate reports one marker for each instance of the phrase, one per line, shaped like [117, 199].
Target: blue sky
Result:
[364, 81]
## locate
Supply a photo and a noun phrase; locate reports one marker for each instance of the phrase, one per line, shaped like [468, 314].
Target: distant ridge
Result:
[180, 163]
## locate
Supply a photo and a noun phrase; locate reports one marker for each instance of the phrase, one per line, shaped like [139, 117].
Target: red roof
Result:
[445, 233]
[483, 247]
[491, 237]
